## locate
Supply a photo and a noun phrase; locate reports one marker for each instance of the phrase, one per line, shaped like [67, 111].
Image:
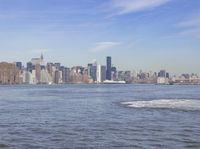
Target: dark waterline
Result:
[93, 116]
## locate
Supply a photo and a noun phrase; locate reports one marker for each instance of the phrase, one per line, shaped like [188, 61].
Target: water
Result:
[99, 117]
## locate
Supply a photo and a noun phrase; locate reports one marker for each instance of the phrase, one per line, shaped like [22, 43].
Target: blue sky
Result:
[138, 34]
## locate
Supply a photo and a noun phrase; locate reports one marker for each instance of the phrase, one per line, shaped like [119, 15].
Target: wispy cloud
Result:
[191, 32]
[190, 26]
[103, 46]
[192, 21]
[121, 7]
[38, 51]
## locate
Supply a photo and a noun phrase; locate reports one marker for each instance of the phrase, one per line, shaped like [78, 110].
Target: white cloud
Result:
[103, 46]
[191, 32]
[190, 26]
[128, 6]
[192, 21]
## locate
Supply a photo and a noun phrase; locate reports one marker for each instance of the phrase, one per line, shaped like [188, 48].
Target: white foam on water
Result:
[184, 104]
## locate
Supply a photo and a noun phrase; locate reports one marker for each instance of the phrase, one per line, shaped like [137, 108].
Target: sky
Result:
[137, 34]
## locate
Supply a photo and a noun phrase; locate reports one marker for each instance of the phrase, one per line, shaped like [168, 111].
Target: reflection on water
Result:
[93, 116]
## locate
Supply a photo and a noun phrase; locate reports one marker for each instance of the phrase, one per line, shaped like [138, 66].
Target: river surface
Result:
[99, 117]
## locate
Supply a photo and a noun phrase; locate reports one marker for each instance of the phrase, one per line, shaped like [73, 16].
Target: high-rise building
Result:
[50, 68]
[94, 73]
[113, 73]
[8, 73]
[45, 77]
[163, 77]
[162, 73]
[57, 65]
[65, 74]
[29, 66]
[38, 72]
[127, 76]
[108, 68]
[92, 70]
[27, 77]
[57, 76]
[101, 73]
[167, 75]
[89, 70]
[19, 65]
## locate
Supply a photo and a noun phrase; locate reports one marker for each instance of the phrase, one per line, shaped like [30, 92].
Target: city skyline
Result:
[93, 61]
[138, 34]
[37, 71]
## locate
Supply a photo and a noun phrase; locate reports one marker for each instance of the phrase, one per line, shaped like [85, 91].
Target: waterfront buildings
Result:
[37, 72]
[163, 77]
[9, 74]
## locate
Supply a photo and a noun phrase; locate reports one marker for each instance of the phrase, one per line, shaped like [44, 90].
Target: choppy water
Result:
[100, 117]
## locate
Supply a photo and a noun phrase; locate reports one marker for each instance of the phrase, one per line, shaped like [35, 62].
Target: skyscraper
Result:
[29, 66]
[38, 72]
[108, 68]
[65, 74]
[94, 73]
[19, 65]
[57, 74]
[89, 70]
[101, 73]
[92, 70]
[162, 73]
[57, 65]
[163, 77]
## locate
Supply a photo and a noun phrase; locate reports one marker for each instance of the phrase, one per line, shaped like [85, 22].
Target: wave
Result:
[184, 104]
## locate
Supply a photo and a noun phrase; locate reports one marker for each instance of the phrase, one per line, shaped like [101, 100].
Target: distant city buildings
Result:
[37, 72]
[163, 77]
[9, 74]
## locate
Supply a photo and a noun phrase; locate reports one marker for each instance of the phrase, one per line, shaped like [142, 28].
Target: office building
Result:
[45, 77]
[57, 77]
[57, 65]
[38, 72]
[65, 74]
[27, 77]
[162, 73]
[108, 68]
[89, 67]
[163, 77]
[101, 73]
[29, 67]
[9, 74]
[19, 65]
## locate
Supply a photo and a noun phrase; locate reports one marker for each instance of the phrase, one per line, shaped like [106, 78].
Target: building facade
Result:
[9, 74]
[108, 68]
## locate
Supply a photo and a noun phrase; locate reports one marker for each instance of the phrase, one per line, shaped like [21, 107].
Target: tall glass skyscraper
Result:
[108, 68]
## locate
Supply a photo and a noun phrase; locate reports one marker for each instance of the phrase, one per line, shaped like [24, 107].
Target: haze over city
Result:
[138, 34]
